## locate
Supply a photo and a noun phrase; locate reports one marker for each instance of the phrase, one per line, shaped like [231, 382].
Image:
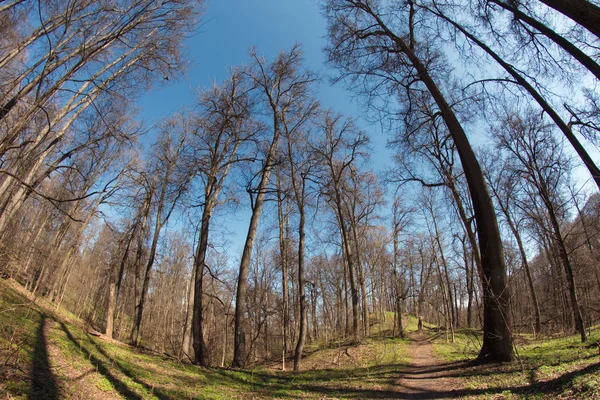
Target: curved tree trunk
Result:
[520, 80]
[497, 337]
[584, 12]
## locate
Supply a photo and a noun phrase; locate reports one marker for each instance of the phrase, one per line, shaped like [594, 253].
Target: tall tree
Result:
[300, 162]
[168, 184]
[279, 86]
[342, 146]
[223, 124]
[368, 45]
[521, 81]
[542, 164]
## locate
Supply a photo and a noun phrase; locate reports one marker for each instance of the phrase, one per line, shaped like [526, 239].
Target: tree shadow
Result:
[104, 370]
[130, 374]
[121, 387]
[335, 383]
[43, 381]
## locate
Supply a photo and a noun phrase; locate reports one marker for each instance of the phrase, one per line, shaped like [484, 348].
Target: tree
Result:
[541, 163]
[300, 162]
[365, 46]
[401, 218]
[520, 80]
[584, 12]
[222, 125]
[342, 145]
[527, 22]
[72, 59]
[504, 186]
[164, 191]
[280, 85]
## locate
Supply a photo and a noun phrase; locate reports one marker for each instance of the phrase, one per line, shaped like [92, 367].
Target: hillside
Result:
[48, 354]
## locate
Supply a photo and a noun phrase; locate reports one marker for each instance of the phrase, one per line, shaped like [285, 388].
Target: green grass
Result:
[18, 324]
[544, 368]
[548, 368]
[112, 367]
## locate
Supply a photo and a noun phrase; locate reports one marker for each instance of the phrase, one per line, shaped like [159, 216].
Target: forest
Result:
[479, 237]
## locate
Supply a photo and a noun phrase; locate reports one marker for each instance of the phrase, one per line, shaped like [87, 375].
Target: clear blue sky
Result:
[229, 28]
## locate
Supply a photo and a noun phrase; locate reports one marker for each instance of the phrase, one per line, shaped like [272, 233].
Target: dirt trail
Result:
[425, 377]
[75, 381]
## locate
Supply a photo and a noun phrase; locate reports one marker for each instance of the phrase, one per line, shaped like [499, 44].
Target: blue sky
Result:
[229, 29]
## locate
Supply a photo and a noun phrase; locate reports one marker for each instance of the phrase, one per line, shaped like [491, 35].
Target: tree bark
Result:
[584, 12]
[301, 283]
[239, 346]
[282, 219]
[200, 350]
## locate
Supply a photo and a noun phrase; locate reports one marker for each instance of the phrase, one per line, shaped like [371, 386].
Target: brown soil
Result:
[425, 377]
[75, 383]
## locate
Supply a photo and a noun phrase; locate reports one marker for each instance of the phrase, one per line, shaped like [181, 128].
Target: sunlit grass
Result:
[543, 362]
[333, 369]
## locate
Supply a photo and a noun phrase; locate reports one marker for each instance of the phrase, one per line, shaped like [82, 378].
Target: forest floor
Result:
[45, 354]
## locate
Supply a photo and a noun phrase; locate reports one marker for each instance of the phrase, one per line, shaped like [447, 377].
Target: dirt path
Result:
[425, 377]
[79, 381]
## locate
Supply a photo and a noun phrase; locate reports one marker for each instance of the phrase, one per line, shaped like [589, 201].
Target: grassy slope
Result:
[47, 355]
[108, 369]
[545, 368]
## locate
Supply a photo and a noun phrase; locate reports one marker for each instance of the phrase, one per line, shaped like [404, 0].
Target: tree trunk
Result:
[534, 300]
[200, 350]
[566, 130]
[564, 257]
[584, 12]
[239, 346]
[139, 308]
[282, 219]
[301, 284]
[497, 337]
[566, 45]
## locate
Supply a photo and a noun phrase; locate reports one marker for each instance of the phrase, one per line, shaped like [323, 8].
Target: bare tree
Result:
[301, 161]
[542, 164]
[280, 86]
[223, 124]
[164, 191]
[340, 149]
[369, 47]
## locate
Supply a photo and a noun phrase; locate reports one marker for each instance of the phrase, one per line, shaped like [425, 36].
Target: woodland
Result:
[481, 235]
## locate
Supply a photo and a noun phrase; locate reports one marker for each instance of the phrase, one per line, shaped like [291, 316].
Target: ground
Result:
[46, 354]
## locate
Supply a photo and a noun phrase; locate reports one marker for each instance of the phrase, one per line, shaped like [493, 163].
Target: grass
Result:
[45, 355]
[18, 325]
[113, 368]
[544, 368]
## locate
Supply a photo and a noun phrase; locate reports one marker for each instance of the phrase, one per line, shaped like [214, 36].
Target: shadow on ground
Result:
[376, 382]
[43, 381]
[382, 382]
[105, 369]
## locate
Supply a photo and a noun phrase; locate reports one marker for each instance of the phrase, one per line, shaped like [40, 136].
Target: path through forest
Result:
[425, 377]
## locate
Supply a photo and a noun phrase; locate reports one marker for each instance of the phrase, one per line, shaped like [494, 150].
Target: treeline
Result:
[498, 236]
